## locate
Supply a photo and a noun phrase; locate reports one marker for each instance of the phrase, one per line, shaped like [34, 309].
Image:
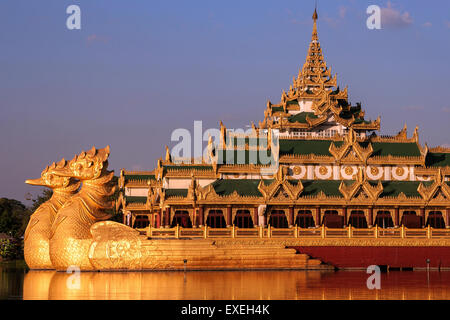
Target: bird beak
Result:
[35, 182]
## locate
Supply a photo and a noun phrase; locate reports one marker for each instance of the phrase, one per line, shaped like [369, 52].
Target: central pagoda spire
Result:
[314, 74]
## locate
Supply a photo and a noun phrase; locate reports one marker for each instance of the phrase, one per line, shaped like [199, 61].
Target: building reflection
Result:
[236, 285]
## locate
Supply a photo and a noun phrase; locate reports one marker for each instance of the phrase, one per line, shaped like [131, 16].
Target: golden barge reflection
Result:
[236, 285]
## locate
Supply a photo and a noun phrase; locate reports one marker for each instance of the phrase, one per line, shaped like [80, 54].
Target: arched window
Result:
[304, 219]
[357, 219]
[278, 219]
[331, 219]
[141, 222]
[182, 219]
[411, 220]
[384, 219]
[216, 219]
[243, 219]
[436, 220]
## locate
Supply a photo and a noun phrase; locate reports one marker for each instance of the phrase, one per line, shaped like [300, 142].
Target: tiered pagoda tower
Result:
[332, 169]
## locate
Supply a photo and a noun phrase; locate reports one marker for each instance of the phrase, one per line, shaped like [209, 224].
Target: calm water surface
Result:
[16, 282]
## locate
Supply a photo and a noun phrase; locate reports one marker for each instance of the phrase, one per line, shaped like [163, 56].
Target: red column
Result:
[370, 222]
[200, 216]
[158, 219]
[255, 217]
[195, 217]
[317, 216]
[167, 218]
[345, 215]
[229, 216]
[291, 216]
[422, 216]
[397, 217]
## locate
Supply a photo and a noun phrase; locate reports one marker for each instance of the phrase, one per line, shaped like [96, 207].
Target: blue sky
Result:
[137, 70]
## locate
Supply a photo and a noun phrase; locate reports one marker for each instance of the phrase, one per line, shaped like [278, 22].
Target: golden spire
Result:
[315, 16]
[314, 73]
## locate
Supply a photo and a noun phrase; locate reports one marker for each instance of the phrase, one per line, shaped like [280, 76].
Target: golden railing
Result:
[296, 232]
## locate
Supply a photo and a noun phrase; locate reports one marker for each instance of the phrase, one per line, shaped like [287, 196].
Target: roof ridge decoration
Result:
[281, 182]
[439, 149]
[437, 192]
[344, 154]
[361, 189]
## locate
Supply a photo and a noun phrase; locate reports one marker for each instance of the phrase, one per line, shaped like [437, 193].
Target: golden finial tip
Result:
[315, 15]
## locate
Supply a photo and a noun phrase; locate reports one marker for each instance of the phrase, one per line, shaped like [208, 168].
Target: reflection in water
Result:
[11, 279]
[236, 285]
[16, 283]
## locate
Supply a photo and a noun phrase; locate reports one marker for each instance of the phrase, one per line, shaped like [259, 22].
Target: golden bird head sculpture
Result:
[88, 165]
[51, 180]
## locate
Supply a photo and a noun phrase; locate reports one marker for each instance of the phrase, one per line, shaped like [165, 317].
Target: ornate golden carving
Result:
[352, 149]
[348, 170]
[38, 232]
[361, 189]
[297, 170]
[438, 192]
[374, 171]
[71, 237]
[399, 171]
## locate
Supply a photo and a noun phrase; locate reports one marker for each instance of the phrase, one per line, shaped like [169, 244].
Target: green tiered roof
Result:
[314, 187]
[131, 199]
[176, 192]
[437, 160]
[410, 149]
[321, 147]
[301, 117]
[244, 187]
[305, 147]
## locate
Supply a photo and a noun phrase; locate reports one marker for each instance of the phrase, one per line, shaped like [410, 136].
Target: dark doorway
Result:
[141, 222]
[331, 219]
[436, 220]
[357, 219]
[182, 219]
[278, 219]
[304, 219]
[384, 219]
[243, 219]
[216, 219]
[411, 220]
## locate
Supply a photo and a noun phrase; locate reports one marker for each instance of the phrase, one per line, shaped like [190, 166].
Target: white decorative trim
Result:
[347, 176]
[374, 177]
[300, 175]
[403, 176]
[310, 173]
[325, 176]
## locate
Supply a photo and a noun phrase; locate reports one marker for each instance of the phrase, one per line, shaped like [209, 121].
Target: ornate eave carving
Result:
[280, 184]
[344, 153]
[438, 192]
[361, 190]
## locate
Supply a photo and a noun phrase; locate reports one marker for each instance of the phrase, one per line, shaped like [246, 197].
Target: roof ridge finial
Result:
[315, 17]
